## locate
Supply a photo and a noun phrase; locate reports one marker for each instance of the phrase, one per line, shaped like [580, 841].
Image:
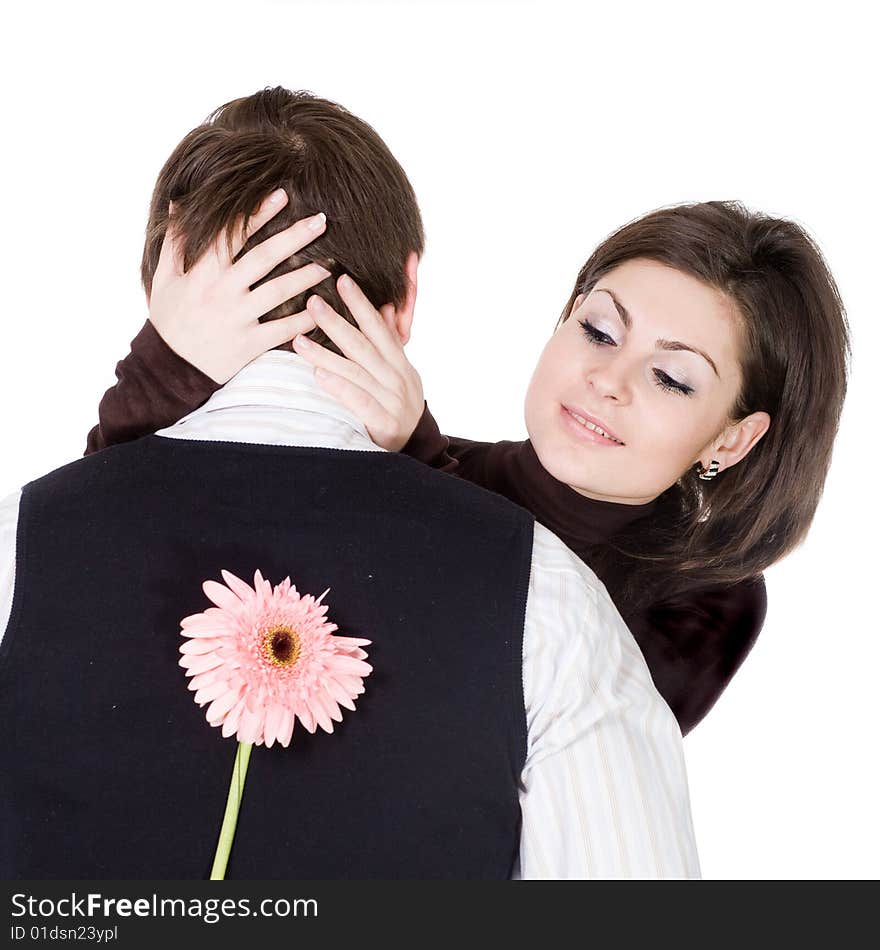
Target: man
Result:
[509, 727]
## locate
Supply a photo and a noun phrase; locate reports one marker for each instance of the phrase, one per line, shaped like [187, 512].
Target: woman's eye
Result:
[596, 336]
[668, 384]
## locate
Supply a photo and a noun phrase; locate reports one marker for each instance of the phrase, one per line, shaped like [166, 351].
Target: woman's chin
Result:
[564, 465]
[584, 474]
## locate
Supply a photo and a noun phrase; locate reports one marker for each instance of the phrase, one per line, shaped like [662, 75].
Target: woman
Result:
[681, 417]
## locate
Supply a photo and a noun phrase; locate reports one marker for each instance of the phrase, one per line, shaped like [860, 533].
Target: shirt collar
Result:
[280, 380]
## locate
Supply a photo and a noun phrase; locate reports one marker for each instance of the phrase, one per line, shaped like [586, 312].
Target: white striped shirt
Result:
[603, 791]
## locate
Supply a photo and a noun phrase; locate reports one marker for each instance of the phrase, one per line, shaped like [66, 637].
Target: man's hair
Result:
[326, 159]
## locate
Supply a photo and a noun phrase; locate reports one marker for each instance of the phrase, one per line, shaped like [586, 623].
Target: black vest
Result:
[110, 769]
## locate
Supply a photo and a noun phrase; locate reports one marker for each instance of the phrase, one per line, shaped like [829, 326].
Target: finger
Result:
[362, 403]
[370, 321]
[320, 356]
[275, 332]
[280, 289]
[387, 311]
[269, 207]
[220, 253]
[353, 343]
[170, 263]
[267, 254]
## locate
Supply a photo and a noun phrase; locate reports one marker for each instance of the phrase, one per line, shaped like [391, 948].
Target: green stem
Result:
[230, 818]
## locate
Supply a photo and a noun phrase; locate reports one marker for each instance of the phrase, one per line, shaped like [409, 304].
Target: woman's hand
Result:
[209, 315]
[376, 382]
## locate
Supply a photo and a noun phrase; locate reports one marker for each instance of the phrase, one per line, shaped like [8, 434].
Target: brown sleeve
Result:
[465, 458]
[427, 444]
[155, 387]
[694, 644]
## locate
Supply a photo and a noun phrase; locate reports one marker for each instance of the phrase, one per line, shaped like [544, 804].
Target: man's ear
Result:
[401, 317]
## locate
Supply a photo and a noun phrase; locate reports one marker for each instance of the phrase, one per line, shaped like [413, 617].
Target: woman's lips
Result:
[582, 432]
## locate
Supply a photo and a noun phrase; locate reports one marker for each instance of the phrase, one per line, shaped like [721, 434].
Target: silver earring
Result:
[707, 474]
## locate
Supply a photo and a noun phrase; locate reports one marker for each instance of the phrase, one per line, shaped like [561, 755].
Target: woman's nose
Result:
[609, 379]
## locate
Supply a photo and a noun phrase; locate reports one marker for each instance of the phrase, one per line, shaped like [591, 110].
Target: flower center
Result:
[281, 646]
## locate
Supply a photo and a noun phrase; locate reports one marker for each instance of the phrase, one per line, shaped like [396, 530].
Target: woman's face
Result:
[650, 356]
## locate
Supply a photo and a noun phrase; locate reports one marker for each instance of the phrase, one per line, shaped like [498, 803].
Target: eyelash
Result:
[666, 383]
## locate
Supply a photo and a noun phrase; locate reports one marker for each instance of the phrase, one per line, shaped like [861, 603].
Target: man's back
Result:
[504, 683]
[420, 781]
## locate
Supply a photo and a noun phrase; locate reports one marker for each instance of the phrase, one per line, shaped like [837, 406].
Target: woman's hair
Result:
[326, 159]
[794, 355]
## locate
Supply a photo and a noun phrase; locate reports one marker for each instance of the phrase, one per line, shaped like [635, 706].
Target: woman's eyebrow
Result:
[624, 313]
[676, 345]
[662, 344]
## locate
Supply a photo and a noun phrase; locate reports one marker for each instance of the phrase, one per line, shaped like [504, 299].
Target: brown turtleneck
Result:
[693, 644]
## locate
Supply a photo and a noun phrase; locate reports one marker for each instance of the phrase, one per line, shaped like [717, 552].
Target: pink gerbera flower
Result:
[263, 658]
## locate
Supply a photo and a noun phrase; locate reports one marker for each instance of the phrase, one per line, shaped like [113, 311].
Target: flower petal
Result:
[286, 729]
[221, 706]
[200, 645]
[338, 692]
[274, 722]
[199, 625]
[306, 718]
[351, 641]
[213, 632]
[254, 700]
[250, 728]
[205, 679]
[348, 664]
[353, 684]
[262, 587]
[233, 717]
[221, 596]
[199, 664]
[244, 591]
[318, 712]
[208, 693]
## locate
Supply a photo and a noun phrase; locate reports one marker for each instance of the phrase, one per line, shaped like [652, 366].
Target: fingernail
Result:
[346, 281]
[316, 303]
[303, 341]
[276, 196]
[317, 222]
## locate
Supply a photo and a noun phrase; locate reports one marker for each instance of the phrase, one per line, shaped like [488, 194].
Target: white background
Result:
[530, 131]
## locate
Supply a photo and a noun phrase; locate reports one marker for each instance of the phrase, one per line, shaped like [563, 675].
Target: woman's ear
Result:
[737, 440]
[401, 317]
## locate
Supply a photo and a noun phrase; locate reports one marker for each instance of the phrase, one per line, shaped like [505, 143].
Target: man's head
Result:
[326, 159]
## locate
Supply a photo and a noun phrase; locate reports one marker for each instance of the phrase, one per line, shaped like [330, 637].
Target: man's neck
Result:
[275, 400]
